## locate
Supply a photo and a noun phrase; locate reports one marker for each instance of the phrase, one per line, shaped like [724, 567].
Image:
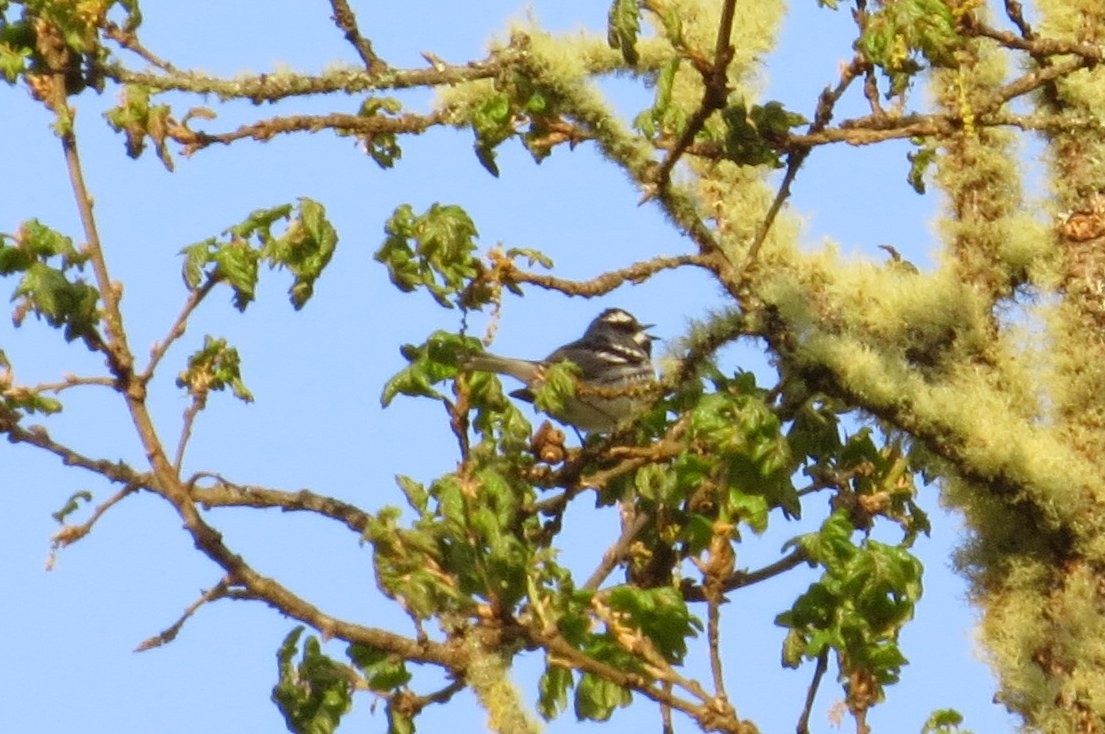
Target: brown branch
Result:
[740, 579]
[218, 591]
[69, 534]
[819, 671]
[713, 644]
[198, 403]
[636, 273]
[130, 42]
[561, 652]
[1015, 12]
[617, 552]
[179, 326]
[346, 21]
[822, 116]
[66, 382]
[164, 480]
[1037, 46]
[225, 493]
[273, 87]
[115, 471]
[115, 347]
[715, 94]
[265, 130]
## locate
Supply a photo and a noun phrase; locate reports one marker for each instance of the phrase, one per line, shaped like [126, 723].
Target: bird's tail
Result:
[520, 369]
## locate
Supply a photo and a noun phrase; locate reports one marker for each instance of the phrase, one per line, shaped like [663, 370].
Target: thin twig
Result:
[67, 382]
[636, 273]
[1015, 12]
[164, 480]
[115, 347]
[346, 21]
[804, 720]
[225, 493]
[265, 130]
[666, 725]
[115, 471]
[617, 552]
[715, 94]
[179, 326]
[69, 534]
[713, 643]
[274, 87]
[740, 579]
[218, 591]
[129, 41]
[190, 413]
[821, 118]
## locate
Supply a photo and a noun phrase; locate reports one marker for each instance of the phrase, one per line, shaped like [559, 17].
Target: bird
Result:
[614, 357]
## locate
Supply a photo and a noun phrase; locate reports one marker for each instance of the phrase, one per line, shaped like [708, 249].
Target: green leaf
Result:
[661, 614]
[493, 122]
[384, 671]
[50, 295]
[305, 249]
[238, 265]
[432, 362]
[382, 147]
[432, 250]
[137, 119]
[919, 162]
[72, 505]
[553, 687]
[49, 292]
[533, 257]
[415, 493]
[313, 695]
[557, 388]
[624, 25]
[899, 34]
[754, 134]
[944, 721]
[216, 366]
[596, 698]
[196, 259]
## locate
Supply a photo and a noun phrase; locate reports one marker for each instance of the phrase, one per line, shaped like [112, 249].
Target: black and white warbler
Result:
[614, 357]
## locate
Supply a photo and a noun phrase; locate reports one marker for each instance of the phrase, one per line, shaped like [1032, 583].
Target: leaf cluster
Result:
[51, 287]
[433, 250]
[216, 366]
[304, 248]
[51, 36]
[866, 594]
[900, 33]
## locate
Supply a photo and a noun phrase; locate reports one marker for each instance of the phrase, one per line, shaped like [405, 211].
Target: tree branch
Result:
[225, 493]
[69, 534]
[819, 671]
[265, 130]
[218, 591]
[822, 116]
[179, 326]
[276, 86]
[346, 21]
[600, 285]
[617, 552]
[715, 93]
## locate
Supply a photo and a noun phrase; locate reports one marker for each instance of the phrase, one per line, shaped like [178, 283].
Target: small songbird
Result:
[614, 357]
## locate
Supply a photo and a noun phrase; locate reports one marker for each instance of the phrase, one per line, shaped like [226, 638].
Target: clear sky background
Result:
[317, 376]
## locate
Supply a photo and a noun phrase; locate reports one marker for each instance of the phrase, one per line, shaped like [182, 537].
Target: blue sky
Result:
[317, 376]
